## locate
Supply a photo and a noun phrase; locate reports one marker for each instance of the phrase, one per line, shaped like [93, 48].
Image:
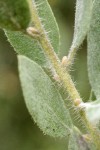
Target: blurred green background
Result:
[17, 129]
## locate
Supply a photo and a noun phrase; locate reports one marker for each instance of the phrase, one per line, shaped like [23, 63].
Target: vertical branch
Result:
[63, 76]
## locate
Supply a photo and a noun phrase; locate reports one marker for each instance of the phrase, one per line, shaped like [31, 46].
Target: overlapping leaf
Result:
[15, 14]
[25, 45]
[93, 111]
[82, 21]
[94, 50]
[43, 100]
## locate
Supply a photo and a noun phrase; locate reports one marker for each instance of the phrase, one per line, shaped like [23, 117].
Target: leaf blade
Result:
[94, 50]
[43, 100]
[93, 111]
[82, 21]
[25, 45]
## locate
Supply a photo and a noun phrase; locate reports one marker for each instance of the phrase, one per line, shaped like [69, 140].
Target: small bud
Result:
[77, 102]
[56, 78]
[32, 31]
[87, 137]
[64, 61]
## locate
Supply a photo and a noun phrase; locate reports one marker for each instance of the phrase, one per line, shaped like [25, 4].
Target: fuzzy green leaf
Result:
[43, 100]
[24, 45]
[15, 14]
[94, 50]
[82, 21]
[93, 111]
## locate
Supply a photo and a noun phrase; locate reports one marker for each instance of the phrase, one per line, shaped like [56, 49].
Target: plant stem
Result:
[49, 52]
[65, 77]
[71, 56]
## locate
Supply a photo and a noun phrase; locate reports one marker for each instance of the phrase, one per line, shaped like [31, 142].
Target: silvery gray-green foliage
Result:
[94, 50]
[26, 46]
[88, 22]
[82, 21]
[43, 100]
[93, 111]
